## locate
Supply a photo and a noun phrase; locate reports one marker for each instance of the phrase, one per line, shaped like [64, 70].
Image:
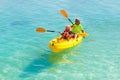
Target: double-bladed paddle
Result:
[65, 14]
[42, 30]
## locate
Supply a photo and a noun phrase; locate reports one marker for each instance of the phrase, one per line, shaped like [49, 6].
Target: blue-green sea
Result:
[24, 53]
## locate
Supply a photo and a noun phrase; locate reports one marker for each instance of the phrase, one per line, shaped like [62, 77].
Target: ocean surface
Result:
[24, 53]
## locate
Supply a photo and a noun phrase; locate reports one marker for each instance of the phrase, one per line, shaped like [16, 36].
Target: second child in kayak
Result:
[77, 28]
[66, 34]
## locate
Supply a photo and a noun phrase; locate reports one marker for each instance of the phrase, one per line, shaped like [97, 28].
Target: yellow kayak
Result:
[56, 46]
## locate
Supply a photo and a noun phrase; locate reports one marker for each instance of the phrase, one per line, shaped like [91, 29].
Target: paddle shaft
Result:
[70, 21]
[52, 31]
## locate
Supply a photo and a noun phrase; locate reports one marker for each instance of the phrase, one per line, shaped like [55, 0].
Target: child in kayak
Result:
[77, 28]
[66, 34]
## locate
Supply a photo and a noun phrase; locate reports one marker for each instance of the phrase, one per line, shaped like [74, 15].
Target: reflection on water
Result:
[61, 57]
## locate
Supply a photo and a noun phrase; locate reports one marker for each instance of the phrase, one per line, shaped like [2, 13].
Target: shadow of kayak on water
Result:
[46, 63]
[36, 66]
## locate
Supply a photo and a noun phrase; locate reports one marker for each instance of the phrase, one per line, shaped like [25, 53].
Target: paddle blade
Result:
[64, 13]
[40, 30]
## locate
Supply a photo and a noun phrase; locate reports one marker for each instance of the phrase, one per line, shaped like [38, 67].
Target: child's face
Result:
[77, 22]
[67, 28]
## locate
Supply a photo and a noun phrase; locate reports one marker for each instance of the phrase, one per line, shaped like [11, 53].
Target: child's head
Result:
[77, 21]
[68, 27]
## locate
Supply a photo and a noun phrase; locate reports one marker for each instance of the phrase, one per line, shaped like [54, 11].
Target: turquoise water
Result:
[24, 54]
